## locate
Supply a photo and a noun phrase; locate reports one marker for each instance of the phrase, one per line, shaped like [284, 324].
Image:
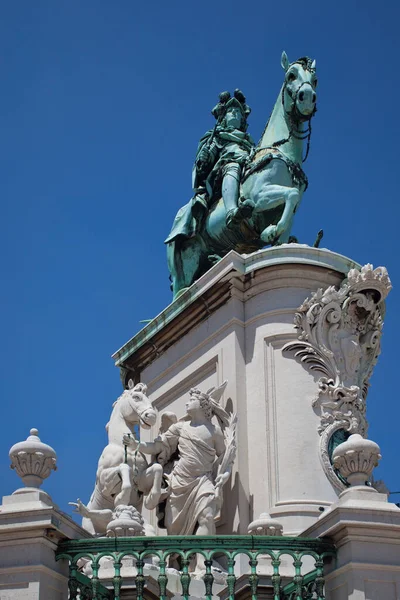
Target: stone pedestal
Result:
[31, 526]
[30, 529]
[232, 324]
[365, 528]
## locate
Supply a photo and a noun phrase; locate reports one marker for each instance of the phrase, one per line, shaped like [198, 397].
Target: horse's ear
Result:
[314, 65]
[284, 61]
[131, 385]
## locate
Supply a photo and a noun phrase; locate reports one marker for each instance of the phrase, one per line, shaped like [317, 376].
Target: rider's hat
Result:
[226, 101]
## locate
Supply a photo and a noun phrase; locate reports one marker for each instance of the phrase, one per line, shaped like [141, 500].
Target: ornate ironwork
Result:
[85, 558]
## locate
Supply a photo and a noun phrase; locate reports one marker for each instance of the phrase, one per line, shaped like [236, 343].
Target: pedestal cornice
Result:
[234, 275]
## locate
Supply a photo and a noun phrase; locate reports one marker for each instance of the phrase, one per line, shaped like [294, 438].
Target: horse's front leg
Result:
[124, 495]
[273, 196]
[285, 222]
[150, 484]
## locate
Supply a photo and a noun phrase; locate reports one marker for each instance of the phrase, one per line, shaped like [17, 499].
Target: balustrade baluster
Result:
[117, 579]
[231, 578]
[298, 579]
[319, 580]
[276, 578]
[208, 579]
[253, 578]
[95, 581]
[185, 578]
[139, 579]
[85, 592]
[72, 582]
[162, 579]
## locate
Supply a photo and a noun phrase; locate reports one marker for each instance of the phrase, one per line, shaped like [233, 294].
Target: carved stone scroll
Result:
[339, 333]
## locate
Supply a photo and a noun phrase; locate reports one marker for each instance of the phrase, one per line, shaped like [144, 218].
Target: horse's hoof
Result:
[269, 235]
[214, 258]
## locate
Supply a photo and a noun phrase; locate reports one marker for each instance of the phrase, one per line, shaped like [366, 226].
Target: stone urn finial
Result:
[33, 461]
[265, 525]
[356, 458]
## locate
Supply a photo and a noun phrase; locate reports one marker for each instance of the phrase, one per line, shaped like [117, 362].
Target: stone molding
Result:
[339, 331]
[365, 529]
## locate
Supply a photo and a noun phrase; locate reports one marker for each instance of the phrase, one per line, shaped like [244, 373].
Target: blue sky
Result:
[101, 109]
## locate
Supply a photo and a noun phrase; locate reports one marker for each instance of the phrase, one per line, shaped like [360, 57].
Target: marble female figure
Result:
[203, 467]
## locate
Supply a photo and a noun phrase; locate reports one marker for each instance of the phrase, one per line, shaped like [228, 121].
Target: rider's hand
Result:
[129, 440]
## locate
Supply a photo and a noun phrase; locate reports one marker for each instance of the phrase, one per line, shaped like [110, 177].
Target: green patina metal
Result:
[84, 588]
[338, 437]
[302, 585]
[245, 196]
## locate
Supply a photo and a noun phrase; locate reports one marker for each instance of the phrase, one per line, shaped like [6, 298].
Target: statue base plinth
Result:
[232, 324]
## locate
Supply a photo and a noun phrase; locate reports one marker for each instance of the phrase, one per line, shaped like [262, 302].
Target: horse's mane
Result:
[304, 61]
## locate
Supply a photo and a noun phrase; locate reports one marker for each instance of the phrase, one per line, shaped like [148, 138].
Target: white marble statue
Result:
[123, 474]
[197, 455]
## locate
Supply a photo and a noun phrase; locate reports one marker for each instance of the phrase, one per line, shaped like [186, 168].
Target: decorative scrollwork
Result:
[339, 333]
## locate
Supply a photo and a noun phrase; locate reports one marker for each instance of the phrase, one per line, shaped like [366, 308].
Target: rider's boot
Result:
[236, 215]
[235, 211]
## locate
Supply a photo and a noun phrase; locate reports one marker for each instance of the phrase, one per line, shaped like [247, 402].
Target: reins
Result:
[293, 130]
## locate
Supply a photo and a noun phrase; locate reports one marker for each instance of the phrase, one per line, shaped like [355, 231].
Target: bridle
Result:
[294, 117]
[140, 413]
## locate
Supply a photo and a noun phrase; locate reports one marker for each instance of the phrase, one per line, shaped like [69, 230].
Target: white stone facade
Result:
[297, 362]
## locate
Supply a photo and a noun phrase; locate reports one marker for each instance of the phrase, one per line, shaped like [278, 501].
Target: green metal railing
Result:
[304, 554]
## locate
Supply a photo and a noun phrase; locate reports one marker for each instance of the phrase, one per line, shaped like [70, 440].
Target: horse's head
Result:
[299, 97]
[137, 407]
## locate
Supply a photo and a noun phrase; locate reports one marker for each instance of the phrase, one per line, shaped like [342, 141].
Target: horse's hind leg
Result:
[292, 200]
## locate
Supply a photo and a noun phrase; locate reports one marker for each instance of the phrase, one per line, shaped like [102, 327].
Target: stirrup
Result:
[232, 219]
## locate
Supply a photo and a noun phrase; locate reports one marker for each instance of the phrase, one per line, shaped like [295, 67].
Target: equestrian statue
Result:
[245, 196]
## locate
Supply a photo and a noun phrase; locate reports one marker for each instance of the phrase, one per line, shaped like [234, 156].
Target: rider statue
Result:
[220, 159]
